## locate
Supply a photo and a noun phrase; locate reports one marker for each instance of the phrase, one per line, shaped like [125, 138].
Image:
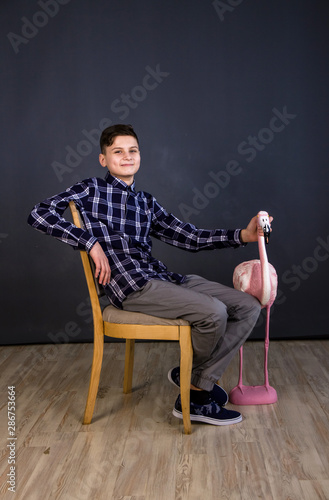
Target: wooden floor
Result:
[135, 449]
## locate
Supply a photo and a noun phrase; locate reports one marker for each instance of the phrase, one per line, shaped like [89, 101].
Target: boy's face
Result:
[122, 158]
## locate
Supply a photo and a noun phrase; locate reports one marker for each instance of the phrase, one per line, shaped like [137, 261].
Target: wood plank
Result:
[136, 450]
[317, 490]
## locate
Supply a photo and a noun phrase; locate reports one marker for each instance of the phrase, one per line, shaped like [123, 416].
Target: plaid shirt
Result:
[123, 221]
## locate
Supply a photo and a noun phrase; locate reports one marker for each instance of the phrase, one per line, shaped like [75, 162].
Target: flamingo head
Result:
[263, 221]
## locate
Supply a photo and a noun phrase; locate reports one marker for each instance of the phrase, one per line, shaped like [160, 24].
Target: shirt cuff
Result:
[237, 238]
[90, 243]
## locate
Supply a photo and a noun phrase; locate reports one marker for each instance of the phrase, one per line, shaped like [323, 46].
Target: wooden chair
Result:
[130, 326]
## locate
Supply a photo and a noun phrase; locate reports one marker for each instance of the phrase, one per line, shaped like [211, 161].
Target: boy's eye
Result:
[118, 151]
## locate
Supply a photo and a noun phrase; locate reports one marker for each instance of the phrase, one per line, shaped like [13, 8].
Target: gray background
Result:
[225, 70]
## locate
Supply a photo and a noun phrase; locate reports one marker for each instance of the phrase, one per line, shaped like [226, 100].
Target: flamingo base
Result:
[253, 395]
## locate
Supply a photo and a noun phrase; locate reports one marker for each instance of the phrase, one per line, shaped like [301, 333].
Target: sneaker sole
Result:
[174, 383]
[170, 379]
[208, 420]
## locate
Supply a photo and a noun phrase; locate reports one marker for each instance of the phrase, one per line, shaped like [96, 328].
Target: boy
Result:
[119, 224]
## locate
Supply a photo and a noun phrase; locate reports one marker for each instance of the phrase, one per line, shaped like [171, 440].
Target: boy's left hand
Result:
[250, 234]
[103, 270]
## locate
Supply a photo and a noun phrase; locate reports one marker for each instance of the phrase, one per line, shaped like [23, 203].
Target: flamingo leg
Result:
[266, 345]
[241, 367]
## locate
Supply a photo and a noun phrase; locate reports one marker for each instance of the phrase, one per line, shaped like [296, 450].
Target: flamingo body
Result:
[247, 277]
[258, 278]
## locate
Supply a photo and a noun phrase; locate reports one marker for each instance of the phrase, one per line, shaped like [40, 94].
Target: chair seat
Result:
[112, 314]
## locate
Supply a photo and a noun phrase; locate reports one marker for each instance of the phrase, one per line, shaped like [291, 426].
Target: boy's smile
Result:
[122, 158]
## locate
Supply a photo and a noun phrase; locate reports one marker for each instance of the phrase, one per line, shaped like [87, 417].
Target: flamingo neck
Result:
[265, 271]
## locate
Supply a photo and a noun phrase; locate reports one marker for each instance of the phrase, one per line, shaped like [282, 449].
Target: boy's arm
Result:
[47, 218]
[168, 228]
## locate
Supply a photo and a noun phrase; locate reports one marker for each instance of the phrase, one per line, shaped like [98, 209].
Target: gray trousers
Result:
[221, 320]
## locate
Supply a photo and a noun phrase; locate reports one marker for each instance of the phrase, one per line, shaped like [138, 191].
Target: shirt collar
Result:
[119, 183]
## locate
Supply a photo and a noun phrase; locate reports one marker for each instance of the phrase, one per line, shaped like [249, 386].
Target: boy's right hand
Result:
[103, 270]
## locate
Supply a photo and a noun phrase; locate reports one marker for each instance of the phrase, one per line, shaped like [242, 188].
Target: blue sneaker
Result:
[209, 413]
[217, 393]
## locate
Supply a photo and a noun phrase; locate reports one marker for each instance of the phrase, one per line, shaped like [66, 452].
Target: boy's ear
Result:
[102, 160]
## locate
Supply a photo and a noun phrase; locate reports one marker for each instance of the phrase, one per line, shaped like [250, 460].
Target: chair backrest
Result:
[95, 291]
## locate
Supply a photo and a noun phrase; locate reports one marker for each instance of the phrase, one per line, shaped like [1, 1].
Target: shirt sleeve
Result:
[168, 228]
[47, 217]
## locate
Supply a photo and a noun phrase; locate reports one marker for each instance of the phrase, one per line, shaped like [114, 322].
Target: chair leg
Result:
[185, 374]
[94, 377]
[129, 366]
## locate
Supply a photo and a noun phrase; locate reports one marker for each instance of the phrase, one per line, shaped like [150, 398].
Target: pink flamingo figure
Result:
[258, 278]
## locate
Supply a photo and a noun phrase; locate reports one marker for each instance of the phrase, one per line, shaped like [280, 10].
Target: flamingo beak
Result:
[267, 232]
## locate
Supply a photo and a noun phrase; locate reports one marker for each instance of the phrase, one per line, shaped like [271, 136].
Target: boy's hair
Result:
[110, 133]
